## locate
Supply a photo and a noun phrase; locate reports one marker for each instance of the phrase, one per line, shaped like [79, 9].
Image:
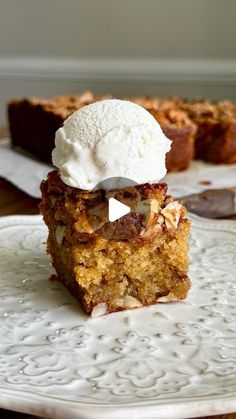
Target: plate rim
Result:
[212, 405]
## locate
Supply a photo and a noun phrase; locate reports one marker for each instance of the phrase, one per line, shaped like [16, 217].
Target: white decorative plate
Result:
[167, 361]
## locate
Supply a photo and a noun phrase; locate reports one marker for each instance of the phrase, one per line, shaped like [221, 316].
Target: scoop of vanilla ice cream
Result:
[110, 139]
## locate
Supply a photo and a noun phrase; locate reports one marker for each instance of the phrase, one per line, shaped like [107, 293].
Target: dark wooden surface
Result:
[14, 201]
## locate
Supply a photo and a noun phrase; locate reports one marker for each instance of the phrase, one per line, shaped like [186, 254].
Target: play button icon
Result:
[116, 209]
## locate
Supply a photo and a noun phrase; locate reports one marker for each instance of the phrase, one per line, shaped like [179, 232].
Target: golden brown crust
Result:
[133, 271]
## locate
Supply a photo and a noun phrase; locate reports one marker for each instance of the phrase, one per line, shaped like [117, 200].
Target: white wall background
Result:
[160, 47]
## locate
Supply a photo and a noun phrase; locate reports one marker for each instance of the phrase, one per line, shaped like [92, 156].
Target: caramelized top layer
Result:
[87, 211]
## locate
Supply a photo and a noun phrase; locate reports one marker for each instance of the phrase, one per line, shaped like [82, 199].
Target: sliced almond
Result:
[168, 298]
[160, 220]
[151, 231]
[99, 310]
[149, 208]
[60, 231]
[82, 225]
[172, 212]
[131, 302]
[154, 205]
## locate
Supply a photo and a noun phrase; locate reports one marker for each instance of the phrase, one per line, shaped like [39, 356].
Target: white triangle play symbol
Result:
[116, 209]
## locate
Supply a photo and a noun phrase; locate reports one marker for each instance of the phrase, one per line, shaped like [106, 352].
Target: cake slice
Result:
[216, 129]
[114, 149]
[126, 264]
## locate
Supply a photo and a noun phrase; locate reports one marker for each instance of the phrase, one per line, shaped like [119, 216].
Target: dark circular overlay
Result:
[128, 226]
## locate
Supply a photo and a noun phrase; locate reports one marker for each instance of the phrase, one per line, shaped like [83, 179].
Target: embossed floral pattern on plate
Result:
[178, 358]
